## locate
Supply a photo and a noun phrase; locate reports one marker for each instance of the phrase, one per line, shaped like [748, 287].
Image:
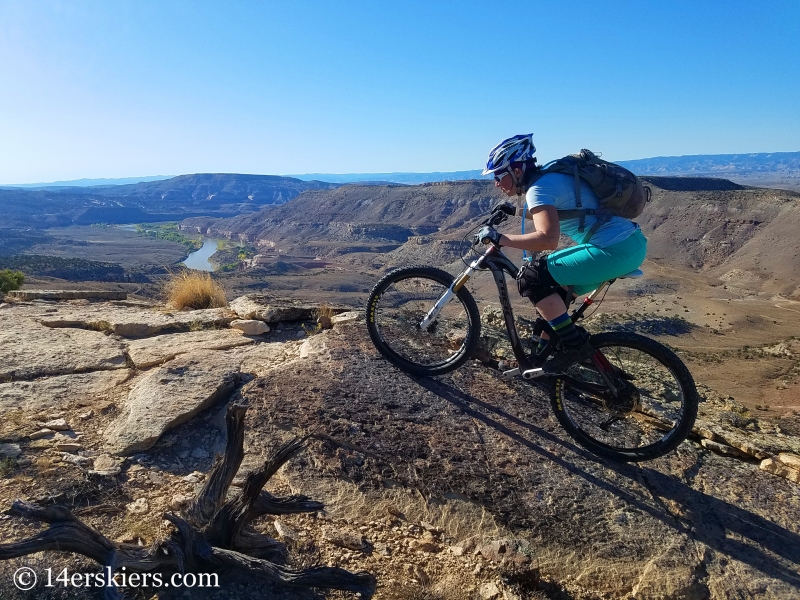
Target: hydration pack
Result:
[619, 191]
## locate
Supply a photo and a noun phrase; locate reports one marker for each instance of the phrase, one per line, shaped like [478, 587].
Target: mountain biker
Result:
[616, 248]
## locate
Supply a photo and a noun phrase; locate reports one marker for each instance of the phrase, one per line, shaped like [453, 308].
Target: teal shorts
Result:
[587, 266]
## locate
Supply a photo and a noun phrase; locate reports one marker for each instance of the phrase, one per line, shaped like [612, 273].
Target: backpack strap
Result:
[601, 220]
[578, 204]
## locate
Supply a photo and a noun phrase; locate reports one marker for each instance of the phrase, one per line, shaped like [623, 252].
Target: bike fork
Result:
[459, 282]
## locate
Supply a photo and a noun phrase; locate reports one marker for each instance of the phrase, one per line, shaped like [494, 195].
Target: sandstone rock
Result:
[345, 539]
[273, 310]
[722, 448]
[57, 425]
[171, 395]
[780, 469]
[62, 391]
[138, 507]
[29, 350]
[349, 316]
[489, 591]
[68, 447]
[10, 450]
[156, 350]
[42, 433]
[250, 326]
[133, 322]
[313, 345]
[324, 322]
[107, 463]
[790, 460]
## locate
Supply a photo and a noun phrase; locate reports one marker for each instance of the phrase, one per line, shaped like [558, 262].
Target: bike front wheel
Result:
[652, 412]
[396, 308]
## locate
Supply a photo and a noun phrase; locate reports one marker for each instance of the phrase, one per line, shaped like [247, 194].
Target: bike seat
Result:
[632, 275]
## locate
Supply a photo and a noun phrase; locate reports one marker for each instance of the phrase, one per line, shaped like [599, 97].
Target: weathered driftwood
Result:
[212, 533]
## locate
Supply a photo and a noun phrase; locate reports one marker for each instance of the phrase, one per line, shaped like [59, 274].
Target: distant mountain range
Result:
[88, 182]
[224, 195]
[743, 165]
[699, 164]
[204, 194]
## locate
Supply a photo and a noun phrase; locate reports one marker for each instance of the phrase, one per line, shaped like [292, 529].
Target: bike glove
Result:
[488, 235]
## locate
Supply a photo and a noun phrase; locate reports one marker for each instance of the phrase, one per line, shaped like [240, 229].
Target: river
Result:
[199, 258]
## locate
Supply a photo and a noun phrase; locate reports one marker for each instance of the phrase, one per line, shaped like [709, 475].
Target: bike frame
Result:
[499, 264]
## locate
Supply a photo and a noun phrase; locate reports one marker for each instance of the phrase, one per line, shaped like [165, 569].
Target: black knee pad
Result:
[535, 282]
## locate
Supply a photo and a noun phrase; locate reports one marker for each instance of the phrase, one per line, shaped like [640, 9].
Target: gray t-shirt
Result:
[558, 189]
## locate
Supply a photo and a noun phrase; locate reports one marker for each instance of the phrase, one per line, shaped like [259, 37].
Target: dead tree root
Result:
[211, 534]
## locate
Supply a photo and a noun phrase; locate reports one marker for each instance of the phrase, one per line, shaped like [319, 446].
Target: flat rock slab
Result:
[170, 395]
[131, 322]
[29, 350]
[67, 295]
[156, 350]
[269, 309]
[61, 391]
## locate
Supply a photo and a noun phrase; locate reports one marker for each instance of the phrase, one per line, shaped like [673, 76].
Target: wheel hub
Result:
[626, 400]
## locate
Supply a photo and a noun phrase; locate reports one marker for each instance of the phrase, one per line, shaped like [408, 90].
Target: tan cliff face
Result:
[713, 228]
[462, 486]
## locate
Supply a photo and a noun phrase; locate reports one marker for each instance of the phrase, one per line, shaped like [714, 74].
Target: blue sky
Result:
[130, 88]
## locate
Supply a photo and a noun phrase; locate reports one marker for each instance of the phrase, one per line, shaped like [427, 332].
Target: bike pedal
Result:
[533, 373]
[511, 372]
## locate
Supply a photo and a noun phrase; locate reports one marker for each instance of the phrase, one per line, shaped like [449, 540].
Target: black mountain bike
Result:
[632, 400]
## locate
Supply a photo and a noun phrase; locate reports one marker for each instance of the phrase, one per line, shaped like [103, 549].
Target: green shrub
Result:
[10, 280]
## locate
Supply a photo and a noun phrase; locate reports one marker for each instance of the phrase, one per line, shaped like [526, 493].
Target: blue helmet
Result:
[519, 148]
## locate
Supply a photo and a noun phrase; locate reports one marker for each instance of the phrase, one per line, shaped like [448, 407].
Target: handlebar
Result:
[500, 213]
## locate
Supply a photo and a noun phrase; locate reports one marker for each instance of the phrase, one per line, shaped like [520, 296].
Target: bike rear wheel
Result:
[653, 412]
[398, 304]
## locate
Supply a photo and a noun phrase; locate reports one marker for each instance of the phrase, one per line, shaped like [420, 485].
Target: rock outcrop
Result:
[464, 483]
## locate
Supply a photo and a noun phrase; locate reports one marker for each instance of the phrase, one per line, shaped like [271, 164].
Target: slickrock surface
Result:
[459, 487]
[125, 320]
[153, 351]
[170, 395]
[60, 392]
[270, 309]
[29, 350]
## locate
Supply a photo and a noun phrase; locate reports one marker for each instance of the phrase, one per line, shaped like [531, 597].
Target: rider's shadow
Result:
[716, 523]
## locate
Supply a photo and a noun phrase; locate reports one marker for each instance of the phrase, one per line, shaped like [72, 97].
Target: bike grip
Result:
[507, 208]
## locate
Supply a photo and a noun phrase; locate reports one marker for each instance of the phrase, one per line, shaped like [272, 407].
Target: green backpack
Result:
[620, 192]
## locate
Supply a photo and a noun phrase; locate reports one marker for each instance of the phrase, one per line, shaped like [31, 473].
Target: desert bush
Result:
[194, 289]
[10, 280]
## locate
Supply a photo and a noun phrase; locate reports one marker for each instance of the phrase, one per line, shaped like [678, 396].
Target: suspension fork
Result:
[445, 298]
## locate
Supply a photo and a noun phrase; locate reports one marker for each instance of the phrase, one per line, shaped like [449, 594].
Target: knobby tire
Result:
[399, 302]
[659, 384]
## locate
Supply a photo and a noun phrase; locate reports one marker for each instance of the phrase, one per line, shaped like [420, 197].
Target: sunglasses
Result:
[499, 176]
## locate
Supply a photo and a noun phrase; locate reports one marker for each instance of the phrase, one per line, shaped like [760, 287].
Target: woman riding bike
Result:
[605, 250]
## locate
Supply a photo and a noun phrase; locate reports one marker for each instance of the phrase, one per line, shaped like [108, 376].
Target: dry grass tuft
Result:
[324, 310]
[194, 290]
